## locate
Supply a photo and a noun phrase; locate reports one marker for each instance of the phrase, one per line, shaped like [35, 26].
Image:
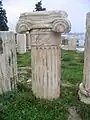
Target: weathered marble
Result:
[84, 88]
[69, 43]
[43, 19]
[8, 62]
[45, 33]
[28, 41]
[21, 43]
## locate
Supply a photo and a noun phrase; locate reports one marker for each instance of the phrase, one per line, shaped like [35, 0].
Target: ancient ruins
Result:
[45, 31]
[84, 92]
[42, 31]
[69, 43]
[8, 62]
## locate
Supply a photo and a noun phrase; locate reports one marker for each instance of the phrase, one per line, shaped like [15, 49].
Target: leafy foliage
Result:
[39, 6]
[3, 18]
[24, 60]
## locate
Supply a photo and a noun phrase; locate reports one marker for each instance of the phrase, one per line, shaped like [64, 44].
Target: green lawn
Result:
[22, 104]
[72, 66]
[24, 60]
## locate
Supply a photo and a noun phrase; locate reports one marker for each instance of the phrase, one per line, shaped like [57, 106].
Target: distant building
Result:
[72, 41]
[80, 36]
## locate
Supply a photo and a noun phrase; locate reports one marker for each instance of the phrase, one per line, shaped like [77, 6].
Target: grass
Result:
[72, 66]
[24, 60]
[22, 104]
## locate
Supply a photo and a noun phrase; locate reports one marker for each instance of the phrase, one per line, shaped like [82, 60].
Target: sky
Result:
[76, 10]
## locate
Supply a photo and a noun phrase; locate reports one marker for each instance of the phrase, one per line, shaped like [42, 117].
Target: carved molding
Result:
[61, 25]
[44, 15]
[23, 26]
[55, 20]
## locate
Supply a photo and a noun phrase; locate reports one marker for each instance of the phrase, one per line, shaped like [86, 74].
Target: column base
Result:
[84, 95]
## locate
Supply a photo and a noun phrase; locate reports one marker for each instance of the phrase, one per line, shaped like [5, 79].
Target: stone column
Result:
[84, 88]
[21, 43]
[46, 64]
[45, 34]
[8, 62]
[71, 43]
[28, 41]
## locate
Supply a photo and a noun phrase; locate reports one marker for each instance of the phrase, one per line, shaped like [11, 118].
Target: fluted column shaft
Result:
[46, 64]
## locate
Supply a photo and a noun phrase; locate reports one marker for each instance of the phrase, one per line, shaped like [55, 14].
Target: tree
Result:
[3, 18]
[39, 6]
